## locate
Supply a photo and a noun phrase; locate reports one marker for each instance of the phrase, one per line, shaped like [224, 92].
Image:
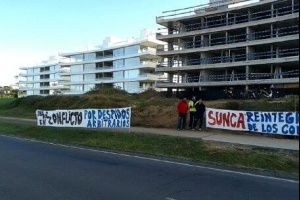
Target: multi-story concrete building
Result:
[125, 64]
[46, 78]
[230, 43]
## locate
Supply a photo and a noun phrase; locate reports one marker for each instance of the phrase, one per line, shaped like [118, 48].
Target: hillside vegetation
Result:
[149, 109]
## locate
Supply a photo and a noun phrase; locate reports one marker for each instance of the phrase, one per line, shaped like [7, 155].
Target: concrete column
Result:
[194, 38]
[200, 88]
[250, 34]
[170, 46]
[247, 76]
[170, 77]
[272, 49]
[280, 72]
[178, 27]
[227, 16]
[170, 62]
[170, 30]
[226, 73]
[248, 71]
[272, 29]
[249, 15]
[249, 51]
[180, 44]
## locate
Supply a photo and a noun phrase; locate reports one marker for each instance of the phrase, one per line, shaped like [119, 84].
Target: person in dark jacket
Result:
[182, 109]
[192, 111]
[200, 111]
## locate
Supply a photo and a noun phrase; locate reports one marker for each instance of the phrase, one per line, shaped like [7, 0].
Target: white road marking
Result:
[156, 160]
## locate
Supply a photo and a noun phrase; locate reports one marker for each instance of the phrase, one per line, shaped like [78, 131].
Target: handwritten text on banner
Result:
[89, 118]
[283, 123]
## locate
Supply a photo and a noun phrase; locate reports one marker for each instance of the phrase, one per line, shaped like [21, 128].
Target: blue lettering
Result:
[268, 117]
[100, 114]
[119, 114]
[99, 124]
[285, 129]
[249, 117]
[280, 116]
[94, 114]
[108, 114]
[256, 116]
[252, 127]
[89, 115]
[128, 113]
[275, 117]
[113, 114]
[123, 114]
[275, 129]
[291, 130]
[289, 118]
[85, 113]
[89, 124]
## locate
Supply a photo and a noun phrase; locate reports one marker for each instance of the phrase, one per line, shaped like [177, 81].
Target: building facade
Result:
[125, 64]
[230, 43]
[46, 78]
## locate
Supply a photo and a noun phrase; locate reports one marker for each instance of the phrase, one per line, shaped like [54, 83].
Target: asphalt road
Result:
[32, 170]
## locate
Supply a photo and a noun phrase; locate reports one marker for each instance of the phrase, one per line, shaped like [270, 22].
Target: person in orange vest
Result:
[182, 109]
[192, 110]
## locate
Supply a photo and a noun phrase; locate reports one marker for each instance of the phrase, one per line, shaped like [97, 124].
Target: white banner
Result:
[283, 123]
[88, 118]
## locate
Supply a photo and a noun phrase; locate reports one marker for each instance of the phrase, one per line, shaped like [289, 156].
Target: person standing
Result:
[200, 111]
[192, 110]
[182, 109]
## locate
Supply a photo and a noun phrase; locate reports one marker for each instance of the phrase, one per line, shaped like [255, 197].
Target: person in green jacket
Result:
[192, 111]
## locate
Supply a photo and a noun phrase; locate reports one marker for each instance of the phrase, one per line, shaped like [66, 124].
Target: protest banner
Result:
[88, 118]
[283, 123]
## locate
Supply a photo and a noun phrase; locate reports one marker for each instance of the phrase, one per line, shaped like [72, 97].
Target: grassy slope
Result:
[149, 109]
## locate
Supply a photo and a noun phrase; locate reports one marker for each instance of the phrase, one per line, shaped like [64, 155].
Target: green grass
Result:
[4, 102]
[190, 149]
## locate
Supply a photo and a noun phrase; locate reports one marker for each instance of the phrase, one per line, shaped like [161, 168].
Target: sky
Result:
[33, 30]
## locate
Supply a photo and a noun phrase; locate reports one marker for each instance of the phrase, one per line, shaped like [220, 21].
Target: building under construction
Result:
[230, 44]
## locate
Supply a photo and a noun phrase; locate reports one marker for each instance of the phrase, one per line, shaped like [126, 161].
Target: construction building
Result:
[230, 43]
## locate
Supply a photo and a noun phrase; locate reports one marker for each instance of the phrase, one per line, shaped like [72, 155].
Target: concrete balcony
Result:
[270, 61]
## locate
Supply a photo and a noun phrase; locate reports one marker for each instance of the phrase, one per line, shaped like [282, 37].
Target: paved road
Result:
[217, 136]
[32, 170]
